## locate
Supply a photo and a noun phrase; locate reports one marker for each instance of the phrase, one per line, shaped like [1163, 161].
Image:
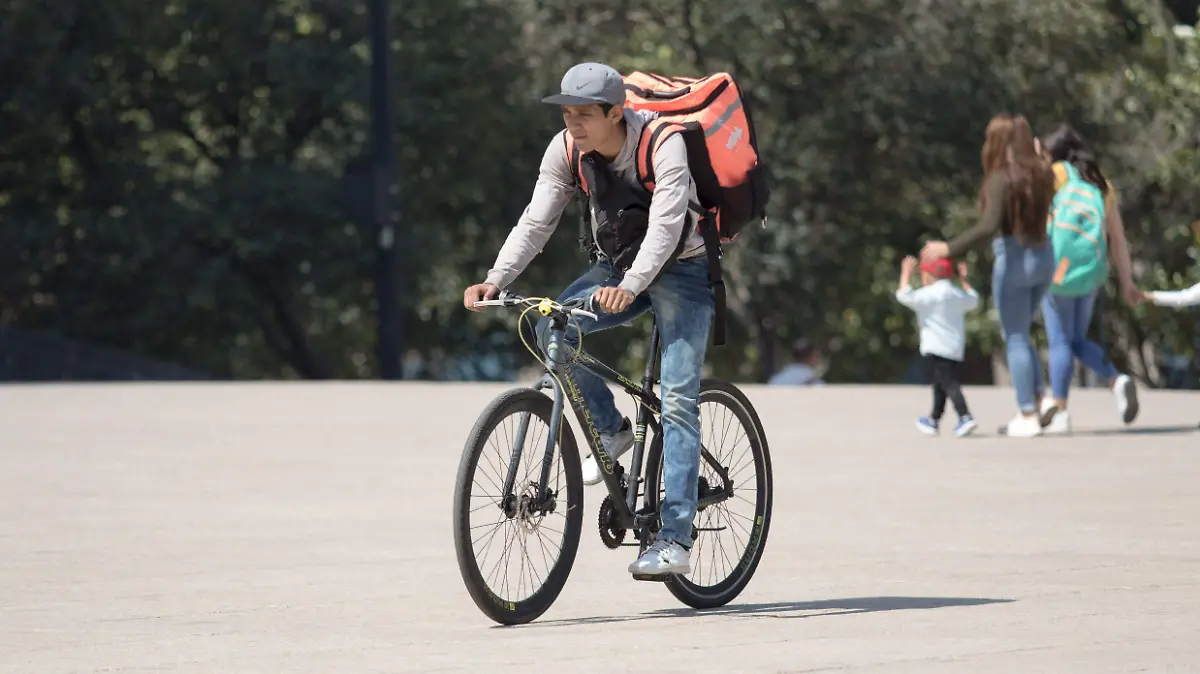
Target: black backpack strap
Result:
[586, 244]
[712, 250]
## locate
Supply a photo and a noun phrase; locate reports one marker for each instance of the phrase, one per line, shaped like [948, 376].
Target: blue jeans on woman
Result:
[1020, 279]
[683, 306]
[1067, 320]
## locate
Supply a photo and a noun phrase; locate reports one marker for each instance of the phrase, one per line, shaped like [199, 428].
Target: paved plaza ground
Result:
[276, 528]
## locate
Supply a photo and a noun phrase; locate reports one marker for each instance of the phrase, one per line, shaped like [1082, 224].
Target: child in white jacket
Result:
[940, 307]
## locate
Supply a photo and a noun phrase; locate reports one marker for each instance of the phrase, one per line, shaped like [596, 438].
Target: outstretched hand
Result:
[1132, 296]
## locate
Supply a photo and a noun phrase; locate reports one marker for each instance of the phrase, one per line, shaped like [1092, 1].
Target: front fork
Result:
[548, 381]
[550, 361]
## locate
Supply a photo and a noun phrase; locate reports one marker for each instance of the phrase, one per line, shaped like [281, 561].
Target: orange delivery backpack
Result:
[723, 158]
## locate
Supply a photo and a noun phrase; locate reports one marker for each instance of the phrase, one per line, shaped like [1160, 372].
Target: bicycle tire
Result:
[501, 609]
[725, 591]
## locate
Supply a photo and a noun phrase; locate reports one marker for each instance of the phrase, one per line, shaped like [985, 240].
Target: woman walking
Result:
[1014, 202]
[1086, 221]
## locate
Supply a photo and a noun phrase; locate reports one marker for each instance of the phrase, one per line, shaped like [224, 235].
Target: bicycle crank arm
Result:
[713, 498]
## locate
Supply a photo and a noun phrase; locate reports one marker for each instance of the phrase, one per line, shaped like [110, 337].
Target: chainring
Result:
[610, 534]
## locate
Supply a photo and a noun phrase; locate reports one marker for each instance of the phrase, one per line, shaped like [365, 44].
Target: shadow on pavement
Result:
[1142, 430]
[793, 609]
[1125, 430]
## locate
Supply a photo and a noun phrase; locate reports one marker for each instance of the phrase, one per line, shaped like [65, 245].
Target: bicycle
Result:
[530, 501]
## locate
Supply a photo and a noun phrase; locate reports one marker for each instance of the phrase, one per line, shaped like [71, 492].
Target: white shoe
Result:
[663, 557]
[1125, 391]
[615, 444]
[1060, 424]
[1023, 427]
[1048, 410]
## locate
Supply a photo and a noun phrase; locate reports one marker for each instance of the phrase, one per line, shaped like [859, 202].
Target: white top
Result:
[940, 307]
[1176, 298]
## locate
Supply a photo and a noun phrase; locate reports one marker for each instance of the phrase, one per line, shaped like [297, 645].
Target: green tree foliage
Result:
[185, 178]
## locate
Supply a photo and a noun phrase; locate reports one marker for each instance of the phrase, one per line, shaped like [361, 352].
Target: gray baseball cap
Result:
[589, 84]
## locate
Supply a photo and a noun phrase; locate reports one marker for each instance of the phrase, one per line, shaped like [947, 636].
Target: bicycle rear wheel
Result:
[732, 534]
[539, 539]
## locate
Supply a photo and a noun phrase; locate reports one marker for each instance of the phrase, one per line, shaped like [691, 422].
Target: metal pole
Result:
[387, 276]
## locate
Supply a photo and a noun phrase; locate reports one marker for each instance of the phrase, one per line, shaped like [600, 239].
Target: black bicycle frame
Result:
[562, 371]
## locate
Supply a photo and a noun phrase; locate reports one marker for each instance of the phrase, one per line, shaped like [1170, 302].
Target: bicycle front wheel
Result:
[730, 534]
[515, 548]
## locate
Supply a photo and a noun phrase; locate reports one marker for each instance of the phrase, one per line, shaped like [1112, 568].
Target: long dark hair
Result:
[1065, 144]
[1008, 147]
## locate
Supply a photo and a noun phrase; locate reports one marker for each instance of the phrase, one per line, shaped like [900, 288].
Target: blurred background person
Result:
[806, 369]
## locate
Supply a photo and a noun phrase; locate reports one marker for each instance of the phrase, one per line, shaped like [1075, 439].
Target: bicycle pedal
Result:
[652, 578]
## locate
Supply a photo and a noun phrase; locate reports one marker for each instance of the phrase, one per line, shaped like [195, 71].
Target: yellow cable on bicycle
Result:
[545, 306]
[540, 305]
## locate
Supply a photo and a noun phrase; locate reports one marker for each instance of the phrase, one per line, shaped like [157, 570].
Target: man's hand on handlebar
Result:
[477, 292]
[612, 299]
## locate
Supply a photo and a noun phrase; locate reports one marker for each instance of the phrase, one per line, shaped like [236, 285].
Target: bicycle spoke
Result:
[489, 534]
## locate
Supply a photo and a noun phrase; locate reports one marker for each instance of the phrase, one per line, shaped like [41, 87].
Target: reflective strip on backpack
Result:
[1082, 233]
[720, 121]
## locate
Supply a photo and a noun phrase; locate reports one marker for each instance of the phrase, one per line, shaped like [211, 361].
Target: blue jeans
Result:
[1067, 320]
[683, 305]
[1020, 279]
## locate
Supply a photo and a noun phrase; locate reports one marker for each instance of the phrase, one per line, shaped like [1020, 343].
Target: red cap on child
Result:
[941, 268]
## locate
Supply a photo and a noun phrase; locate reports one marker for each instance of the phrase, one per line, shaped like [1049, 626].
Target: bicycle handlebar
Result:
[545, 305]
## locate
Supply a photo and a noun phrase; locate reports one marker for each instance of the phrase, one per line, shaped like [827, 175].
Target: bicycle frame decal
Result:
[585, 418]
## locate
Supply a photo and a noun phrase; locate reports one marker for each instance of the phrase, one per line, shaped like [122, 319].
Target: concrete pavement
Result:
[262, 528]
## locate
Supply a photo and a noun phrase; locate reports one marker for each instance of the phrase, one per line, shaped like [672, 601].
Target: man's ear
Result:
[615, 114]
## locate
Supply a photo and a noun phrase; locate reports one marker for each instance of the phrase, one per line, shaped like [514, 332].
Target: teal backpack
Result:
[1077, 233]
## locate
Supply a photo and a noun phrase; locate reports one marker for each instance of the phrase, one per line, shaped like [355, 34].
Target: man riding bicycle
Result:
[655, 262]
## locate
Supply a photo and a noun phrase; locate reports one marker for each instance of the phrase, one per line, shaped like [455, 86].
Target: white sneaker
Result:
[1022, 426]
[615, 444]
[1125, 392]
[663, 557]
[1060, 424]
[1048, 410]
